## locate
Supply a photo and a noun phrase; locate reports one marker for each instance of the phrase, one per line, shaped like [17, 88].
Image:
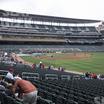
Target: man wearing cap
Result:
[27, 90]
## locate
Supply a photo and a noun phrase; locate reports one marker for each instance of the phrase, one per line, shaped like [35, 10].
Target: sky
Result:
[83, 9]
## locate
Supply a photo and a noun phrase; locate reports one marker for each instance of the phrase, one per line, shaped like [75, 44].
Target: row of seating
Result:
[5, 99]
[70, 92]
[52, 48]
[27, 72]
[34, 27]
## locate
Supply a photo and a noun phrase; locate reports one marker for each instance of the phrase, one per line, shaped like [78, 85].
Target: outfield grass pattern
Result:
[95, 63]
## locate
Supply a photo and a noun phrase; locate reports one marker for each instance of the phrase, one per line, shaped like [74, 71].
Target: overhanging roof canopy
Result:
[44, 18]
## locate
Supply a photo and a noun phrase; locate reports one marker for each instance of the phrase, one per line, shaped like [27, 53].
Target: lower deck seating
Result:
[44, 101]
[70, 92]
[73, 91]
[4, 99]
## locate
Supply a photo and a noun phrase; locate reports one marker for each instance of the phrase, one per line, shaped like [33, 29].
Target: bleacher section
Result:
[70, 92]
[34, 29]
[59, 87]
[52, 48]
[29, 74]
[5, 99]
[47, 30]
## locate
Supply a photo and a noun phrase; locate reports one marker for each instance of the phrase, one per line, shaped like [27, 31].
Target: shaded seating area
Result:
[70, 92]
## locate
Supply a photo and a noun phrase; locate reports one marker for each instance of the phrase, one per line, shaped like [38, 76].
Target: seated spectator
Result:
[27, 91]
[9, 77]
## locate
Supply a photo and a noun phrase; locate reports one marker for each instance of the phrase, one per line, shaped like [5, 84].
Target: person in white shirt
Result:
[9, 77]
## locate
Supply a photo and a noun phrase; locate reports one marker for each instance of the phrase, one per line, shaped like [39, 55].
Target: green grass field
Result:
[95, 63]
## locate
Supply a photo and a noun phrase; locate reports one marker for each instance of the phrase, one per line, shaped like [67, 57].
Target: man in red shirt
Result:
[27, 89]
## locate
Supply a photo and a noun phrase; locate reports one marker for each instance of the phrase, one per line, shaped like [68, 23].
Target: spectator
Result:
[10, 73]
[58, 68]
[42, 66]
[98, 76]
[9, 77]
[62, 69]
[90, 75]
[87, 75]
[94, 76]
[34, 66]
[27, 91]
[49, 67]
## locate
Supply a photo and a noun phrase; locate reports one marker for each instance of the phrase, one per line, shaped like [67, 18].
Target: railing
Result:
[51, 76]
[3, 73]
[65, 77]
[27, 75]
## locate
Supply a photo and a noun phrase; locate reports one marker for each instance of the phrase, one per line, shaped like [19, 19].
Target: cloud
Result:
[92, 9]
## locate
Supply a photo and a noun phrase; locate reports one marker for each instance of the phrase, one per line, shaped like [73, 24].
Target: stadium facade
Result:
[28, 29]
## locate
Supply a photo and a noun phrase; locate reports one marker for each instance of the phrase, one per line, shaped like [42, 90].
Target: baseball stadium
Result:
[63, 57]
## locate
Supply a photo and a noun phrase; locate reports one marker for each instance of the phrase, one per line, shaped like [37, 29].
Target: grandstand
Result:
[21, 28]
